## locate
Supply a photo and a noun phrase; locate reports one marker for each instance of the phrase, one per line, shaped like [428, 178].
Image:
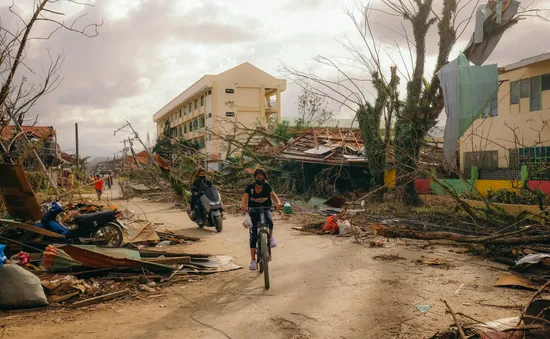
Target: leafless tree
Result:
[313, 110]
[18, 94]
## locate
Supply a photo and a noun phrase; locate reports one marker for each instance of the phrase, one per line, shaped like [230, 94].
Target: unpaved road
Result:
[321, 287]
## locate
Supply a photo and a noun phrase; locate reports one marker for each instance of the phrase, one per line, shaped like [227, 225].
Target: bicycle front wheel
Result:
[265, 259]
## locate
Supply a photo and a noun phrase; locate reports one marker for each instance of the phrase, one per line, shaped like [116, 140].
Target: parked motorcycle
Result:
[100, 228]
[212, 208]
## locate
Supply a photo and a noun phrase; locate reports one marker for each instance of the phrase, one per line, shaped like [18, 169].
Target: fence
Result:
[482, 181]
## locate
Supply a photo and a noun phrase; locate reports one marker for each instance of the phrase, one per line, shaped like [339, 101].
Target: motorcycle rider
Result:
[259, 194]
[199, 180]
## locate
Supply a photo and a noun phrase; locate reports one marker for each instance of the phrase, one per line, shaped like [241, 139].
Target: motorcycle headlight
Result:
[214, 203]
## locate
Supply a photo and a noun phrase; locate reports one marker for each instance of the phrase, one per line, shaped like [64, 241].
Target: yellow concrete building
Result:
[515, 128]
[211, 108]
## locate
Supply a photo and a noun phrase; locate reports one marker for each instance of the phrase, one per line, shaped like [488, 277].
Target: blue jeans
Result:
[255, 216]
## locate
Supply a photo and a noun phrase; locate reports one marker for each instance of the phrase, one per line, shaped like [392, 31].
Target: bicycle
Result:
[263, 248]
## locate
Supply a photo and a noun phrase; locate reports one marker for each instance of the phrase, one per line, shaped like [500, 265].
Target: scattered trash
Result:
[344, 227]
[459, 289]
[513, 281]
[164, 243]
[331, 225]
[287, 209]
[533, 258]
[2, 256]
[423, 308]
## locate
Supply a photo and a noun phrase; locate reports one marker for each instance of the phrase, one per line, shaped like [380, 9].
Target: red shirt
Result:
[99, 184]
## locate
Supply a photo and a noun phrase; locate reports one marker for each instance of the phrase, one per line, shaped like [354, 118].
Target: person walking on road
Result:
[99, 183]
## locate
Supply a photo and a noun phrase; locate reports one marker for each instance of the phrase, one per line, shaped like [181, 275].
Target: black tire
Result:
[265, 258]
[218, 222]
[201, 225]
[109, 235]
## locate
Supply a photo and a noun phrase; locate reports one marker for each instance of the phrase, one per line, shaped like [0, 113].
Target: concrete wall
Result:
[499, 133]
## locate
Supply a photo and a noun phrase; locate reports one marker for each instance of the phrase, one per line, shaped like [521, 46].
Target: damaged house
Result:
[44, 138]
[334, 158]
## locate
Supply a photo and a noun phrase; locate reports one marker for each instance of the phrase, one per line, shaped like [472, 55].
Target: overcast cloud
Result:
[149, 51]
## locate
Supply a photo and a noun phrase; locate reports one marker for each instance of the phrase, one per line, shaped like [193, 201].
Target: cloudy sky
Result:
[148, 51]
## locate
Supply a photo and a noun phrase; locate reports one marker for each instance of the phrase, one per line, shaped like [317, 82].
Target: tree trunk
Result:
[409, 136]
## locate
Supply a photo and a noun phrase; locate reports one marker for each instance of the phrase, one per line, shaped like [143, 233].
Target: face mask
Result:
[260, 182]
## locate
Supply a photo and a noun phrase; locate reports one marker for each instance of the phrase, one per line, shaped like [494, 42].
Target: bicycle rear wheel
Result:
[265, 259]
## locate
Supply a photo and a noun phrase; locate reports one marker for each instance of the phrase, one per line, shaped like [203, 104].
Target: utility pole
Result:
[77, 154]
[136, 135]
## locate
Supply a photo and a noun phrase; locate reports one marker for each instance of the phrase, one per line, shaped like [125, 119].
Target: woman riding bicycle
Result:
[256, 195]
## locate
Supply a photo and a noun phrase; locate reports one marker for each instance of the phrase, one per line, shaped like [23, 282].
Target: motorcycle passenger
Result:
[259, 194]
[199, 180]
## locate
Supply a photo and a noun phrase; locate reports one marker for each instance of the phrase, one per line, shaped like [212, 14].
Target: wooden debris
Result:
[101, 298]
[170, 261]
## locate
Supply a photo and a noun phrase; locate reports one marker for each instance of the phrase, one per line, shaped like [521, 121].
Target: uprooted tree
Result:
[418, 112]
[21, 87]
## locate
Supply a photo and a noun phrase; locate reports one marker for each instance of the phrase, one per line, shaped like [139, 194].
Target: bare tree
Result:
[18, 94]
[313, 110]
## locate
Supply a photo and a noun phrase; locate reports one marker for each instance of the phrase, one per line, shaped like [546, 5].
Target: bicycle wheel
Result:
[265, 254]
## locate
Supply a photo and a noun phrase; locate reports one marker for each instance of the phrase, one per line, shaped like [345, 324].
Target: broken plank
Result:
[61, 298]
[31, 228]
[170, 261]
[101, 298]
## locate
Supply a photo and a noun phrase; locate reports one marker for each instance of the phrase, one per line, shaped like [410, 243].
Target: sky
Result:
[149, 51]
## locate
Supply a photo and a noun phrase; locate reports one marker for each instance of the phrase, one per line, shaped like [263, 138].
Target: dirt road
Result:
[321, 287]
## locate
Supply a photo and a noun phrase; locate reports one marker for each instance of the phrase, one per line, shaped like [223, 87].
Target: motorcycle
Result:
[100, 228]
[212, 208]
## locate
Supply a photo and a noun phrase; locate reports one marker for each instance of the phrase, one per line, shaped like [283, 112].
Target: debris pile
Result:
[81, 275]
[533, 322]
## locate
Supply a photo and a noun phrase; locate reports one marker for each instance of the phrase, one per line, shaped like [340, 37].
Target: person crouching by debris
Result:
[259, 194]
[99, 183]
[199, 179]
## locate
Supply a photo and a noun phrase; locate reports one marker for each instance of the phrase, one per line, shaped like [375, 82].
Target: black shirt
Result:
[262, 199]
[197, 185]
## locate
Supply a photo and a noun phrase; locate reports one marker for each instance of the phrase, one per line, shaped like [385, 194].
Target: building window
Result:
[201, 122]
[514, 93]
[545, 82]
[195, 124]
[491, 110]
[202, 101]
[535, 94]
[185, 129]
[201, 143]
[190, 127]
[180, 112]
[524, 88]
[181, 132]
[482, 160]
[229, 90]
[229, 114]
[196, 104]
[185, 110]
[534, 155]
[190, 108]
